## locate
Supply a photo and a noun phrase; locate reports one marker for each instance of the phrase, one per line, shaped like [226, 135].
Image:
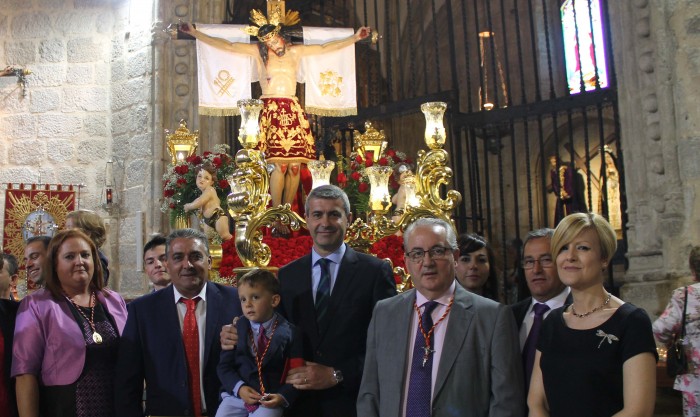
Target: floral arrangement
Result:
[285, 251]
[355, 182]
[179, 186]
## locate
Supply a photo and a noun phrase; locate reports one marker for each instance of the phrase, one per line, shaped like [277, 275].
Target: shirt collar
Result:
[444, 299]
[202, 293]
[554, 302]
[256, 326]
[336, 256]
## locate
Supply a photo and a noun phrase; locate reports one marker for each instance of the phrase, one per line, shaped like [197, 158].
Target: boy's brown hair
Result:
[263, 278]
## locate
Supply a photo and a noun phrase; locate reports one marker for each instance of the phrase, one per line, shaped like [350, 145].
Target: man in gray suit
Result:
[463, 356]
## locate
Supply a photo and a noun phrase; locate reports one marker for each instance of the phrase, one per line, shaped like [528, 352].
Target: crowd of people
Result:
[329, 336]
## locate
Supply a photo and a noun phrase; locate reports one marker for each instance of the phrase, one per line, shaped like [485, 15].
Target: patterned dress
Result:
[92, 395]
[667, 325]
[286, 132]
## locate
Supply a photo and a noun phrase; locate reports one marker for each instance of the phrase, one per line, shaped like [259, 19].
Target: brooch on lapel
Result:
[609, 337]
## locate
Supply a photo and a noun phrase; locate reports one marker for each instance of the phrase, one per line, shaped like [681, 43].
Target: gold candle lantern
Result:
[409, 183]
[249, 133]
[434, 129]
[182, 143]
[372, 141]
[379, 197]
[320, 172]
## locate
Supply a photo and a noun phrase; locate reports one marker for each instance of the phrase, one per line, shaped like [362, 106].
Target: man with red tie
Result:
[171, 341]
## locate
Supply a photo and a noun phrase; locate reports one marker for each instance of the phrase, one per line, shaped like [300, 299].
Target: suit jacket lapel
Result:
[401, 334]
[214, 303]
[167, 309]
[458, 325]
[341, 288]
[281, 333]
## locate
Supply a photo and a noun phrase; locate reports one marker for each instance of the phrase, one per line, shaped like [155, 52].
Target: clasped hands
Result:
[310, 376]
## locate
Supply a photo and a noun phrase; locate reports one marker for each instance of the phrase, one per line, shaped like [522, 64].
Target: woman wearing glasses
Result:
[596, 356]
[476, 267]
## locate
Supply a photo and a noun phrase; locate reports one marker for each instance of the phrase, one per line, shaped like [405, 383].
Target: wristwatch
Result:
[338, 376]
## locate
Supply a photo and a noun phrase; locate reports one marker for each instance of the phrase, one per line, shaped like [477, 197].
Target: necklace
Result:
[588, 313]
[259, 358]
[91, 320]
[427, 350]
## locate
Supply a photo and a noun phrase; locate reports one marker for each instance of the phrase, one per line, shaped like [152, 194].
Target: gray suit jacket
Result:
[480, 372]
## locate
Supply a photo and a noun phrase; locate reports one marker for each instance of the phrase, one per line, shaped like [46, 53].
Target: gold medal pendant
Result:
[96, 337]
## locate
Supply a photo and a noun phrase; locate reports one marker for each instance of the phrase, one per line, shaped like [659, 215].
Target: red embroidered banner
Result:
[34, 210]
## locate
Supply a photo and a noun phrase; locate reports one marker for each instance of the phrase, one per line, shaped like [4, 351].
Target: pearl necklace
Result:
[586, 314]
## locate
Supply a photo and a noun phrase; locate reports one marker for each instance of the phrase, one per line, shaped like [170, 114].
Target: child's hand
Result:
[272, 401]
[249, 395]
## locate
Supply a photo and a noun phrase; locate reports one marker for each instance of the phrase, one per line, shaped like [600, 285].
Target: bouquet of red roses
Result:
[179, 186]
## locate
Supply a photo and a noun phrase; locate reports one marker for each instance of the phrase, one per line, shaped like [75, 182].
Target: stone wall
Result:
[88, 101]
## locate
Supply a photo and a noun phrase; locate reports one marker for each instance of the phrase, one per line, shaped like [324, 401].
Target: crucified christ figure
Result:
[287, 139]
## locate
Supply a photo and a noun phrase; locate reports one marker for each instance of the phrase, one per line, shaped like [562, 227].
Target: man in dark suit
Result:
[437, 349]
[329, 295]
[547, 291]
[170, 333]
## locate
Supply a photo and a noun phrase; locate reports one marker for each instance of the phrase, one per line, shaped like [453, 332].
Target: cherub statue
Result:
[209, 204]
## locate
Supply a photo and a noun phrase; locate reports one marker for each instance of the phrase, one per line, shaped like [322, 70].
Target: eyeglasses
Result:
[545, 262]
[436, 252]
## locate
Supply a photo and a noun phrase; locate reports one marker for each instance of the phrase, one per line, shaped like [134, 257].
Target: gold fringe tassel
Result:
[212, 111]
[352, 111]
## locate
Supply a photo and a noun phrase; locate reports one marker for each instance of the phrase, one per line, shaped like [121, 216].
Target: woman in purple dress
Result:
[67, 335]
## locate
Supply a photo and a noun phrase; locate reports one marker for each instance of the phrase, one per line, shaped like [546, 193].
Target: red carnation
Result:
[194, 159]
[223, 184]
[342, 180]
[363, 187]
[181, 181]
[217, 162]
[396, 159]
[369, 162]
[383, 161]
[169, 193]
[172, 205]
[356, 176]
[358, 159]
[391, 153]
[206, 154]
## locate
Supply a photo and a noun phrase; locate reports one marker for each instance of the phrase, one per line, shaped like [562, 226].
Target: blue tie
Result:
[531, 341]
[420, 385]
[323, 292]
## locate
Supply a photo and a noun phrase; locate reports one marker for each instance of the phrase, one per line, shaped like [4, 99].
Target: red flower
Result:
[358, 159]
[172, 205]
[223, 184]
[181, 181]
[182, 169]
[194, 159]
[383, 161]
[363, 187]
[356, 176]
[391, 153]
[342, 180]
[169, 193]
[217, 162]
[369, 162]
[206, 154]
[408, 161]
[396, 159]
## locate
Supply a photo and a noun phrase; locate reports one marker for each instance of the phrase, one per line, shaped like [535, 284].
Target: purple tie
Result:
[420, 385]
[531, 342]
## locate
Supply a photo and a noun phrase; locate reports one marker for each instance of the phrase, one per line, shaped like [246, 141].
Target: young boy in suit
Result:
[253, 374]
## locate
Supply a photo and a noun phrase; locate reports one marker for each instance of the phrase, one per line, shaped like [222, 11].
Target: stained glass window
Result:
[584, 46]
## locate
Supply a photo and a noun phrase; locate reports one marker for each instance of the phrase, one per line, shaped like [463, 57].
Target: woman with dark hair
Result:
[476, 267]
[67, 335]
[596, 357]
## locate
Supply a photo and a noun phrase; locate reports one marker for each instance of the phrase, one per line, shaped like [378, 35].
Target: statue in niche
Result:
[609, 194]
[208, 203]
[406, 179]
[569, 187]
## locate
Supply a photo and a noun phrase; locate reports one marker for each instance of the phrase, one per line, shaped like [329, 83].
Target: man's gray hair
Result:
[537, 234]
[188, 234]
[328, 192]
[450, 234]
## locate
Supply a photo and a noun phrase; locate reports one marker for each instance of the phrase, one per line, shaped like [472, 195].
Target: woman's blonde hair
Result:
[91, 223]
[48, 270]
[573, 224]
